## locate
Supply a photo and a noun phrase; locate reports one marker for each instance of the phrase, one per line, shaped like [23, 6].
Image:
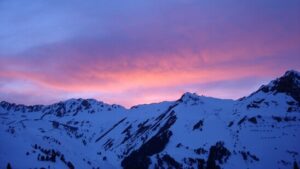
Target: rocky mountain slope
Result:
[256, 132]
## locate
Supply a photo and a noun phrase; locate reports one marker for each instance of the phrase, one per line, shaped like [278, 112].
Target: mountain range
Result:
[258, 131]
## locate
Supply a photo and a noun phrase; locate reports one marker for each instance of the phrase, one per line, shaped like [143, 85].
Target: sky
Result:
[142, 51]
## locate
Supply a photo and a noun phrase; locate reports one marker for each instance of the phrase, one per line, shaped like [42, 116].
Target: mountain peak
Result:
[191, 98]
[188, 96]
[289, 83]
[293, 74]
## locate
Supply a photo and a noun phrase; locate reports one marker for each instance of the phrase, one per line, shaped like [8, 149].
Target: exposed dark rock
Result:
[157, 143]
[258, 101]
[253, 120]
[291, 103]
[55, 124]
[286, 84]
[189, 96]
[62, 158]
[127, 134]
[142, 128]
[139, 159]
[287, 119]
[136, 160]
[295, 165]
[84, 142]
[50, 155]
[109, 130]
[200, 151]
[230, 124]
[200, 163]
[160, 117]
[198, 125]
[171, 120]
[253, 157]
[159, 164]
[217, 153]
[60, 110]
[278, 119]
[70, 165]
[293, 153]
[178, 145]
[86, 104]
[171, 162]
[8, 166]
[248, 156]
[265, 89]
[255, 104]
[127, 129]
[20, 107]
[108, 144]
[244, 155]
[242, 120]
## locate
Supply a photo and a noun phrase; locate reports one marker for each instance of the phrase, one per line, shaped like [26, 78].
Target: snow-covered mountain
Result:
[256, 132]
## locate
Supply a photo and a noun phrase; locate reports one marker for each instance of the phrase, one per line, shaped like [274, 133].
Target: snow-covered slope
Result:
[259, 131]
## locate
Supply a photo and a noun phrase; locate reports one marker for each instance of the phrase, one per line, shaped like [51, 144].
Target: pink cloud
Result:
[144, 51]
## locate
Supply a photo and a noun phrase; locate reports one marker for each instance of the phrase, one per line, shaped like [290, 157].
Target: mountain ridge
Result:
[290, 74]
[191, 132]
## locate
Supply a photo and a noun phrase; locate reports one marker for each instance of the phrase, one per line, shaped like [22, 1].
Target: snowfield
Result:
[259, 131]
